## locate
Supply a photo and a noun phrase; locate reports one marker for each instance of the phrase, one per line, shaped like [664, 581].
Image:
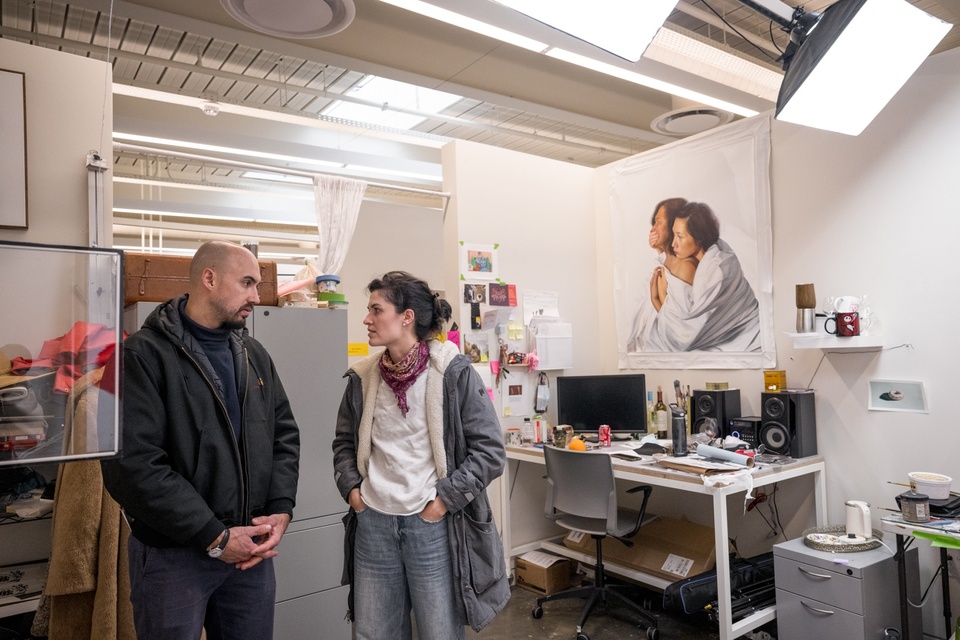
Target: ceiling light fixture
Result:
[843, 66]
[299, 19]
[470, 24]
[210, 108]
[622, 69]
[647, 81]
[627, 36]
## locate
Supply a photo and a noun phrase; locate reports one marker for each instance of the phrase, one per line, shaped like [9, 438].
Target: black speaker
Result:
[721, 405]
[788, 422]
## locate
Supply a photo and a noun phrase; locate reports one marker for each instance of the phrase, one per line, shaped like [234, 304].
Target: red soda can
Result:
[604, 436]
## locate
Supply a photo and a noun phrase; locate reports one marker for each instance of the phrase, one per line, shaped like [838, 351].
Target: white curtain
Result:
[338, 204]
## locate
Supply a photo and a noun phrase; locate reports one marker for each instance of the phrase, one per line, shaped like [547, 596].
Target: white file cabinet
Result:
[840, 596]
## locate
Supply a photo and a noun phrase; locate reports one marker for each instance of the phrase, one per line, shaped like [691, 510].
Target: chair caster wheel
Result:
[582, 636]
[653, 633]
[537, 612]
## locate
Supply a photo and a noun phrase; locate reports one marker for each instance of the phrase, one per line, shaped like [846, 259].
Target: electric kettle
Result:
[858, 520]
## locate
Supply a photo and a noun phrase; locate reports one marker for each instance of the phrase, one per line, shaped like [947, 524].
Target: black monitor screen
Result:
[586, 402]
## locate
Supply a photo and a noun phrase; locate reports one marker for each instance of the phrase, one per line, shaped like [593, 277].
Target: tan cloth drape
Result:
[88, 584]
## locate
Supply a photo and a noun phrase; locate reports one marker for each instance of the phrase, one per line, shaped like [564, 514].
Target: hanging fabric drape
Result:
[338, 204]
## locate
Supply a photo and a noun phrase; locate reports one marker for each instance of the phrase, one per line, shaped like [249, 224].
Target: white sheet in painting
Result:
[721, 316]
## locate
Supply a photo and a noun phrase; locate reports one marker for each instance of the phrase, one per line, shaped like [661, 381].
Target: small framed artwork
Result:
[897, 395]
[13, 159]
[478, 261]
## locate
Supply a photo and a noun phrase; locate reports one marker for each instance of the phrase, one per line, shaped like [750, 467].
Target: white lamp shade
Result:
[854, 61]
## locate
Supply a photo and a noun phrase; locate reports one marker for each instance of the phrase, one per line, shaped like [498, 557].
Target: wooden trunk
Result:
[148, 277]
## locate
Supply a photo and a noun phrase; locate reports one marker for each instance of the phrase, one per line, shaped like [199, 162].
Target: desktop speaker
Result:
[788, 422]
[718, 405]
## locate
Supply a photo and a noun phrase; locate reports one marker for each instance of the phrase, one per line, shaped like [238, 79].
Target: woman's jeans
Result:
[176, 592]
[403, 562]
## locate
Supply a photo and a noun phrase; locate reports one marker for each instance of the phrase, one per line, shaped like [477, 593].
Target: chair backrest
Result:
[581, 484]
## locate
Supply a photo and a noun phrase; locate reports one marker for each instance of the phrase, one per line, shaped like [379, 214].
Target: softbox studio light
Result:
[853, 61]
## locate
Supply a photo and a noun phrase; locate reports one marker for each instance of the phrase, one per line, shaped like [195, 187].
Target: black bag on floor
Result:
[692, 595]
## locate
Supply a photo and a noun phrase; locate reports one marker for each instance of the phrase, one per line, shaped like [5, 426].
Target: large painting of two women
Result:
[691, 233]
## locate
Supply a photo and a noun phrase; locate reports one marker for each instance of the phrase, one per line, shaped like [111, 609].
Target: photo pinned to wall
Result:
[477, 347]
[897, 395]
[478, 261]
[13, 141]
[474, 293]
[514, 401]
[503, 295]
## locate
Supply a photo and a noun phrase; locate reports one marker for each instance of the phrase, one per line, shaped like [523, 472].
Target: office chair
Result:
[582, 496]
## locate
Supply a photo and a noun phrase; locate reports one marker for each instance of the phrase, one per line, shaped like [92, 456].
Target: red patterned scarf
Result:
[400, 376]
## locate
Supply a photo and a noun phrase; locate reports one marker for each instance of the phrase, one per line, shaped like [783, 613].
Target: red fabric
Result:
[85, 347]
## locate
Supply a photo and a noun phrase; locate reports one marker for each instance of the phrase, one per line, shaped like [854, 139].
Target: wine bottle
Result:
[662, 415]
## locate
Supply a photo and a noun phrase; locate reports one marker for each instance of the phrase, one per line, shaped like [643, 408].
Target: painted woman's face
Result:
[660, 227]
[684, 246]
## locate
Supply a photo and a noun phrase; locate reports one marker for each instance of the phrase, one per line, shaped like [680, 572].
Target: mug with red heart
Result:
[845, 324]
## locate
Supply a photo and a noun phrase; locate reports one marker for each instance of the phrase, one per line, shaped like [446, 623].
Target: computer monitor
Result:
[586, 402]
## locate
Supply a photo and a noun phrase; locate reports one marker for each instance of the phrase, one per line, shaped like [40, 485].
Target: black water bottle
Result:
[678, 426]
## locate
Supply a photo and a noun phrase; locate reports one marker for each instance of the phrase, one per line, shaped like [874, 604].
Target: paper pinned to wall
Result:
[540, 303]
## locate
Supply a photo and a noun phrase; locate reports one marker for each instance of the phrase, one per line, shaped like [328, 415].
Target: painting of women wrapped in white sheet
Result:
[692, 252]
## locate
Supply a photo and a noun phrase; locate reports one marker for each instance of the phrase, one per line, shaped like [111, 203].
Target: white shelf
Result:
[829, 342]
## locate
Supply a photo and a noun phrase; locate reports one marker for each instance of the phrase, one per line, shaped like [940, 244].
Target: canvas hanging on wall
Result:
[692, 252]
[13, 151]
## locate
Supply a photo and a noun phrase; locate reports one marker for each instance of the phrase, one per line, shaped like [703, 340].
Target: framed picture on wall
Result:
[13, 150]
[897, 395]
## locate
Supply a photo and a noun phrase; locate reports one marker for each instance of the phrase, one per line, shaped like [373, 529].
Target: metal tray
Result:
[830, 539]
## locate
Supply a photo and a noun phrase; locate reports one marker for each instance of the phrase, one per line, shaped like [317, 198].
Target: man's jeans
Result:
[176, 592]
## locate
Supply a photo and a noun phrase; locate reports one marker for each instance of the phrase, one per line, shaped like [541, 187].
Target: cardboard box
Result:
[149, 277]
[543, 580]
[668, 548]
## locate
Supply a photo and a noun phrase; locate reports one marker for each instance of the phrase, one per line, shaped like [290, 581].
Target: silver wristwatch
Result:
[217, 551]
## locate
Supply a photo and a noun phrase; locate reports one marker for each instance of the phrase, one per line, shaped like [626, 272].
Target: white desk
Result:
[645, 473]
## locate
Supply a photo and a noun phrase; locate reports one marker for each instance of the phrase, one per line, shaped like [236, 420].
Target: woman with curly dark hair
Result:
[417, 444]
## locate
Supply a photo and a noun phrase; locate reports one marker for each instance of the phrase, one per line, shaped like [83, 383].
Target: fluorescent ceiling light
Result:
[477, 26]
[647, 81]
[855, 60]
[458, 20]
[276, 177]
[395, 95]
[198, 146]
[419, 138]
[689, 53]
[177, 214]
[622, 27]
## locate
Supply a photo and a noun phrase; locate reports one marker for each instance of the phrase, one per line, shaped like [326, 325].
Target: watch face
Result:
[216, 552]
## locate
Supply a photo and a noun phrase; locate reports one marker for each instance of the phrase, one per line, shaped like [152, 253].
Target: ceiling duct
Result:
[300, 19]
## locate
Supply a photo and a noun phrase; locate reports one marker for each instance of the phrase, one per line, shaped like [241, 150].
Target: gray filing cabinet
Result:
[840, 596]
[309, 349]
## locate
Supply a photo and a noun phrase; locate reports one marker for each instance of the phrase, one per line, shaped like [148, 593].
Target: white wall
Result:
[389, 237]
[68, 114]
[872, 215]
[539, 213]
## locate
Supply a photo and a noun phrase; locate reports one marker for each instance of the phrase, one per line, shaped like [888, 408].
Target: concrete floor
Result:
[560, 617]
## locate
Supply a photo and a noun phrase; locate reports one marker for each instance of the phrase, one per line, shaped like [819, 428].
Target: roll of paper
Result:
[707, 451]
